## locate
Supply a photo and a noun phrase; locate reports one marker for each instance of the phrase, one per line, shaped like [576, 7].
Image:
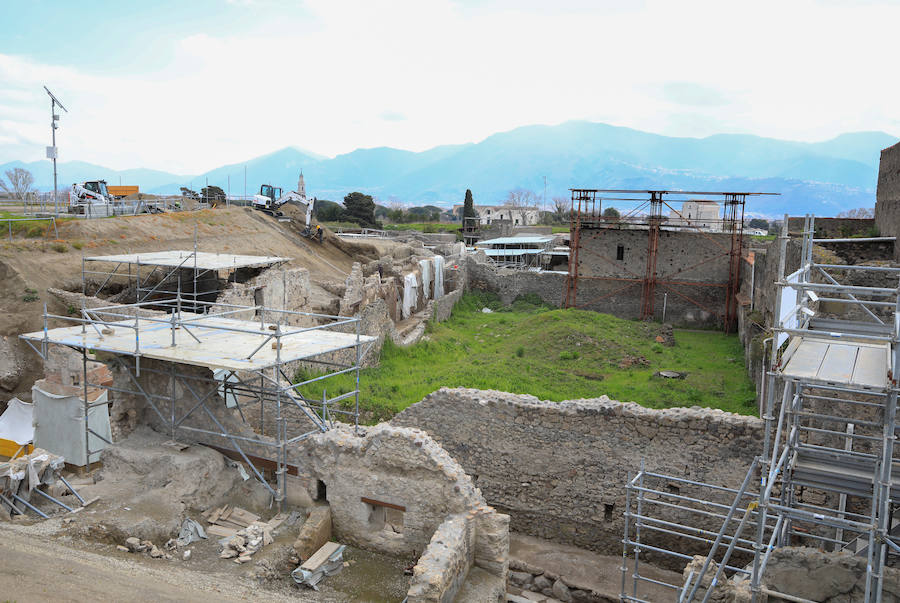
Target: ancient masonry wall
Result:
[887, 206]
[389, 488]
[698, 262]
[559, 469]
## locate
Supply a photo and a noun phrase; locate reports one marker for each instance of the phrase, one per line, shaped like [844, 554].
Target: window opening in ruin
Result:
[620, 252]
[608, 511]
[384, 516]
[321, 491]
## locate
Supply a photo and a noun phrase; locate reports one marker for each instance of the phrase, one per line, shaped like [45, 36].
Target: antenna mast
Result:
[51, 151]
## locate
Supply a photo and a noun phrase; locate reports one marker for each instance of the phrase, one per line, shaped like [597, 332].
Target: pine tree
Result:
[469, 206]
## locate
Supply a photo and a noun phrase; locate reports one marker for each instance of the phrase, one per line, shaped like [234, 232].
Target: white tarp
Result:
[438, 276]
[425, 265]
[788, 311]
[409, 294]
[16, 423]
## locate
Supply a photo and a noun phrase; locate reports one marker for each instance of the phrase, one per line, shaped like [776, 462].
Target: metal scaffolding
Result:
[835, 360]
[248, 348]
[645, 212]
[191, 275]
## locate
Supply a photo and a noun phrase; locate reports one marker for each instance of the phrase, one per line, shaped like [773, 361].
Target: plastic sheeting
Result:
[409, 294]
[191, 531]
[59, 425]
[788, 310]
[438, 276]
[425, 265]
[16, 423]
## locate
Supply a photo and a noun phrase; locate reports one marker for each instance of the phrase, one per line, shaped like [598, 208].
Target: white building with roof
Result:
[517, 215]
[705, 215]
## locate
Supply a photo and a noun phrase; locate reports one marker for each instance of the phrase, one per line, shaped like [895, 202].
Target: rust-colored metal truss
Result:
[585, 215]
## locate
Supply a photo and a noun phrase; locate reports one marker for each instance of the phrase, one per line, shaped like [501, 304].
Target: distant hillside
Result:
[823, 178]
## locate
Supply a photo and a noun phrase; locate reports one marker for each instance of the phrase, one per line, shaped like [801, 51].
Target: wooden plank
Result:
[837, 364]
[242, 516]
[320, 556]
[871, 367]
[220, 531]
[227, 523]
[277, 521]
[381, 503]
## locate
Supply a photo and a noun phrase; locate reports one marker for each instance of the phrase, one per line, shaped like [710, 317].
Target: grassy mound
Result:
[555, 354]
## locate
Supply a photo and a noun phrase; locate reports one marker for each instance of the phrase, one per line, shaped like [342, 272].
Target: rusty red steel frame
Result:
[585, 215]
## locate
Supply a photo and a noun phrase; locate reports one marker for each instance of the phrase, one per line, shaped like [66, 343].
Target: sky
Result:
[187, 86]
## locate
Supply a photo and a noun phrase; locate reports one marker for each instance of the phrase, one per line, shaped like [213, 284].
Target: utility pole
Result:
[51, 151]
[245, 182]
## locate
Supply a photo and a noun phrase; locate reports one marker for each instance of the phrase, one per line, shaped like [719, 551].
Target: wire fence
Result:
[44, 205]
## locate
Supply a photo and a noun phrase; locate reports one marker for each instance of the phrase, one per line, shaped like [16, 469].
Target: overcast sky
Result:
[187, 86]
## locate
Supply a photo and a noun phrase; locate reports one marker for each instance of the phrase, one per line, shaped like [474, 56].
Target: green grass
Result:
[31, 229]
[554, 355]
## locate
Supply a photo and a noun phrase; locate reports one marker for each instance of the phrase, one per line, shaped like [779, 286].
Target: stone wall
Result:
[398, 468]
[443, 567]
[834, 228]
[827, 577]
[510, 284]
[698, 262]
[559, 469]
[887, 206]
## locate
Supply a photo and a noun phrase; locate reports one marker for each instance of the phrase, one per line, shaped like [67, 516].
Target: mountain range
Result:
[822, 178]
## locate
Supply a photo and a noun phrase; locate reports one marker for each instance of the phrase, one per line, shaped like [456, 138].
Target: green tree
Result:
[190, 194]
[328, 211]
[360, 208]
[212, 194]
[759, 223]
[611, 212]
[469, 206]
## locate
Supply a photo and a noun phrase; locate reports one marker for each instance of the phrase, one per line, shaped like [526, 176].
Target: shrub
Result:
[520, 351]
[59, 247]
[568, 355]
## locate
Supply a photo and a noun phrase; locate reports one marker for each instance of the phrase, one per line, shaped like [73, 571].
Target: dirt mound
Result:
[147, 487]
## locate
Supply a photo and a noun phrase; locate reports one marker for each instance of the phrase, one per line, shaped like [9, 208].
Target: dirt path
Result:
[33, 568]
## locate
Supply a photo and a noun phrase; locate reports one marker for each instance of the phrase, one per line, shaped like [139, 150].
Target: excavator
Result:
[270, 200]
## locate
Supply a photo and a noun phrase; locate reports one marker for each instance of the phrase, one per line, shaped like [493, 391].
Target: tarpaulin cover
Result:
[16, 422]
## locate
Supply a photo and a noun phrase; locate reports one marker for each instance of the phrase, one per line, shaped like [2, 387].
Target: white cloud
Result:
[458, 73]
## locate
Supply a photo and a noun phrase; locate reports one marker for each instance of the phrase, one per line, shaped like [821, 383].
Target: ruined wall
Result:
[834, 228]
[827, 577]
[887, 206]
[402, 467]
[510, 284]
[559, 469]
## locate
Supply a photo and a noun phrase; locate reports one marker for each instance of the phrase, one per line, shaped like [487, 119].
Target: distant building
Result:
[301, 185]
[704, 215]
[515, 215]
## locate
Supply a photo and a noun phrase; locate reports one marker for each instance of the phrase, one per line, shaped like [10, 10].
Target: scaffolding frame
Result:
[646, 214]
[165, 275]
[263, 372]
[833, 434]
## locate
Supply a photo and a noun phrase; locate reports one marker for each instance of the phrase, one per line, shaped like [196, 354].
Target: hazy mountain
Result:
[823, 178]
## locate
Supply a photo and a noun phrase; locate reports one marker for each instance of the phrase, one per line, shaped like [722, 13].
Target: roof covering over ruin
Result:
[224, 343]
[204, 260]
[532, 240]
